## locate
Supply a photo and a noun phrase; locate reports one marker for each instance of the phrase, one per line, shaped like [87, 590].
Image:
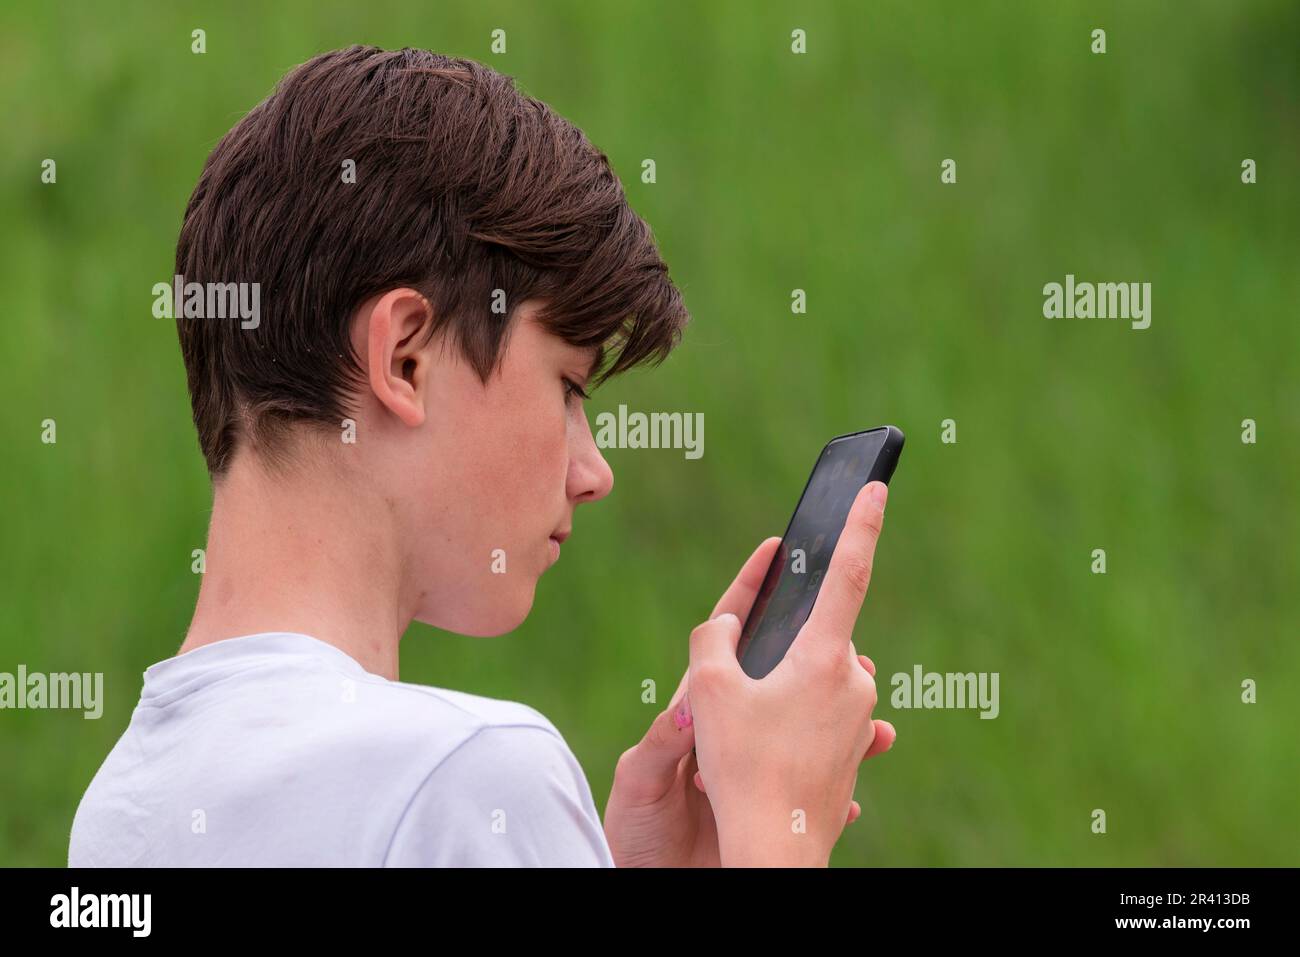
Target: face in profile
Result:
[483, 487]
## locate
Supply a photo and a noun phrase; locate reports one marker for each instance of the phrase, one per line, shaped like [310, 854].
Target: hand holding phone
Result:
[793, 742]
[794, 579]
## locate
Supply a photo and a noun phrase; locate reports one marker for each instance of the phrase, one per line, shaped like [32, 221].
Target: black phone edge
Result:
[886, 462]
[882, 471]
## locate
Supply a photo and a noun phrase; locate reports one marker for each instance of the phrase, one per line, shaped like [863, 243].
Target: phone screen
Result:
[794, 578]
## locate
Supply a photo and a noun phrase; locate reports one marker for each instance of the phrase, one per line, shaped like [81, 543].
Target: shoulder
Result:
[509, 796]
[428, 725]
[409, 726]
[511, 793]
[471, 710]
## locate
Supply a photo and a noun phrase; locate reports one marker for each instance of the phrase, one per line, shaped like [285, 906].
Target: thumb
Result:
[670, 737]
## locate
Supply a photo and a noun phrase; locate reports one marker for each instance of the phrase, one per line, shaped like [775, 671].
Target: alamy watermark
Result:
[208, 300]
[656, 430]
[955, 690]
[75, 909]
[1105, 300]
[58, 690]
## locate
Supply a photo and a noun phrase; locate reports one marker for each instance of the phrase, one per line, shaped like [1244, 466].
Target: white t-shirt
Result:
[279, 749]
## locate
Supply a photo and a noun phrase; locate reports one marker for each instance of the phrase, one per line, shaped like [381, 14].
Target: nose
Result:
[590, 477]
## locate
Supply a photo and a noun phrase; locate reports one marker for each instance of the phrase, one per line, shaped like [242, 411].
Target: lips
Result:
[554, 543]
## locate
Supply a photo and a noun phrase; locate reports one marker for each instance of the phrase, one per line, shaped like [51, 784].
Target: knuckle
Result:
[662, 720]
[870, 733]
[822, 662]
[707, 676]
[624, 763]
[871, 519]
[870, 692]
[857, 571]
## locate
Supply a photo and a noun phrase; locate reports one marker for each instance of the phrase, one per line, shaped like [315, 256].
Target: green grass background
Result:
[775, 172]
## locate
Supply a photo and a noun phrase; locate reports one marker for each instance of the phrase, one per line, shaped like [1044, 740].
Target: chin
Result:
[500, 618]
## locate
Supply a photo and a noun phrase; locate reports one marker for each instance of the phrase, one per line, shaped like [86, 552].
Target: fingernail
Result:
[879, 492]
[728, 615]
[683, 714]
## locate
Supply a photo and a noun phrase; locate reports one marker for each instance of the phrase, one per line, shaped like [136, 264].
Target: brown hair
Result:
[463, 185]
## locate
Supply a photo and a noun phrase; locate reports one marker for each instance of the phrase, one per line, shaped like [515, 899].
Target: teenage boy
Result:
[444, 267]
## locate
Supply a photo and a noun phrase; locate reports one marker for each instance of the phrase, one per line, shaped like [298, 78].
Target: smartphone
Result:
[794, 578]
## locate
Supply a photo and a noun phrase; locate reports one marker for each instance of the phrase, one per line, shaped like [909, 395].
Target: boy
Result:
[443, 268]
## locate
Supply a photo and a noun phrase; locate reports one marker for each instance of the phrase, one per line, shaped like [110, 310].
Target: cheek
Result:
[520, 454]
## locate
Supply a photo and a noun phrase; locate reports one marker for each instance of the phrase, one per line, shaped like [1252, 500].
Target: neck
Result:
[303, 554]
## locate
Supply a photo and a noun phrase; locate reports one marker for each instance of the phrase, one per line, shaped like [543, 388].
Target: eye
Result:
[572, 388]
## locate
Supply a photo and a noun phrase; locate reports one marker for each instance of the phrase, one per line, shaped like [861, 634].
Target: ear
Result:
[397, 365]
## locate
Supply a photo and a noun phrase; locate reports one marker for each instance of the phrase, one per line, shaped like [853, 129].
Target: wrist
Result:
[769, 840]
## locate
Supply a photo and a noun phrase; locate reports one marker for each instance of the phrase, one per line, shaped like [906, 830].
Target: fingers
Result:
[680, 694]
[855, 812]
[644, 768]
[739, 598]
[849, 572]
[721, 633]
[863, 659]
[884, 740]
[886, 734]
[737, 601]
[714, 643]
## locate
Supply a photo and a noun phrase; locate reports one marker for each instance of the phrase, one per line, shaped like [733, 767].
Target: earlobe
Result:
[396, 363]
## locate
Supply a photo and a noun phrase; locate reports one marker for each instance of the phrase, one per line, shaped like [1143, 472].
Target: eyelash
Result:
[572, 388]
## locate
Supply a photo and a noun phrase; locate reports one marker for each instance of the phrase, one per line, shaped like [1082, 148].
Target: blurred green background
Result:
[775, 171]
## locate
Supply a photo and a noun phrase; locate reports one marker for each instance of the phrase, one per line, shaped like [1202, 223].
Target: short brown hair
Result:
[463, 186]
